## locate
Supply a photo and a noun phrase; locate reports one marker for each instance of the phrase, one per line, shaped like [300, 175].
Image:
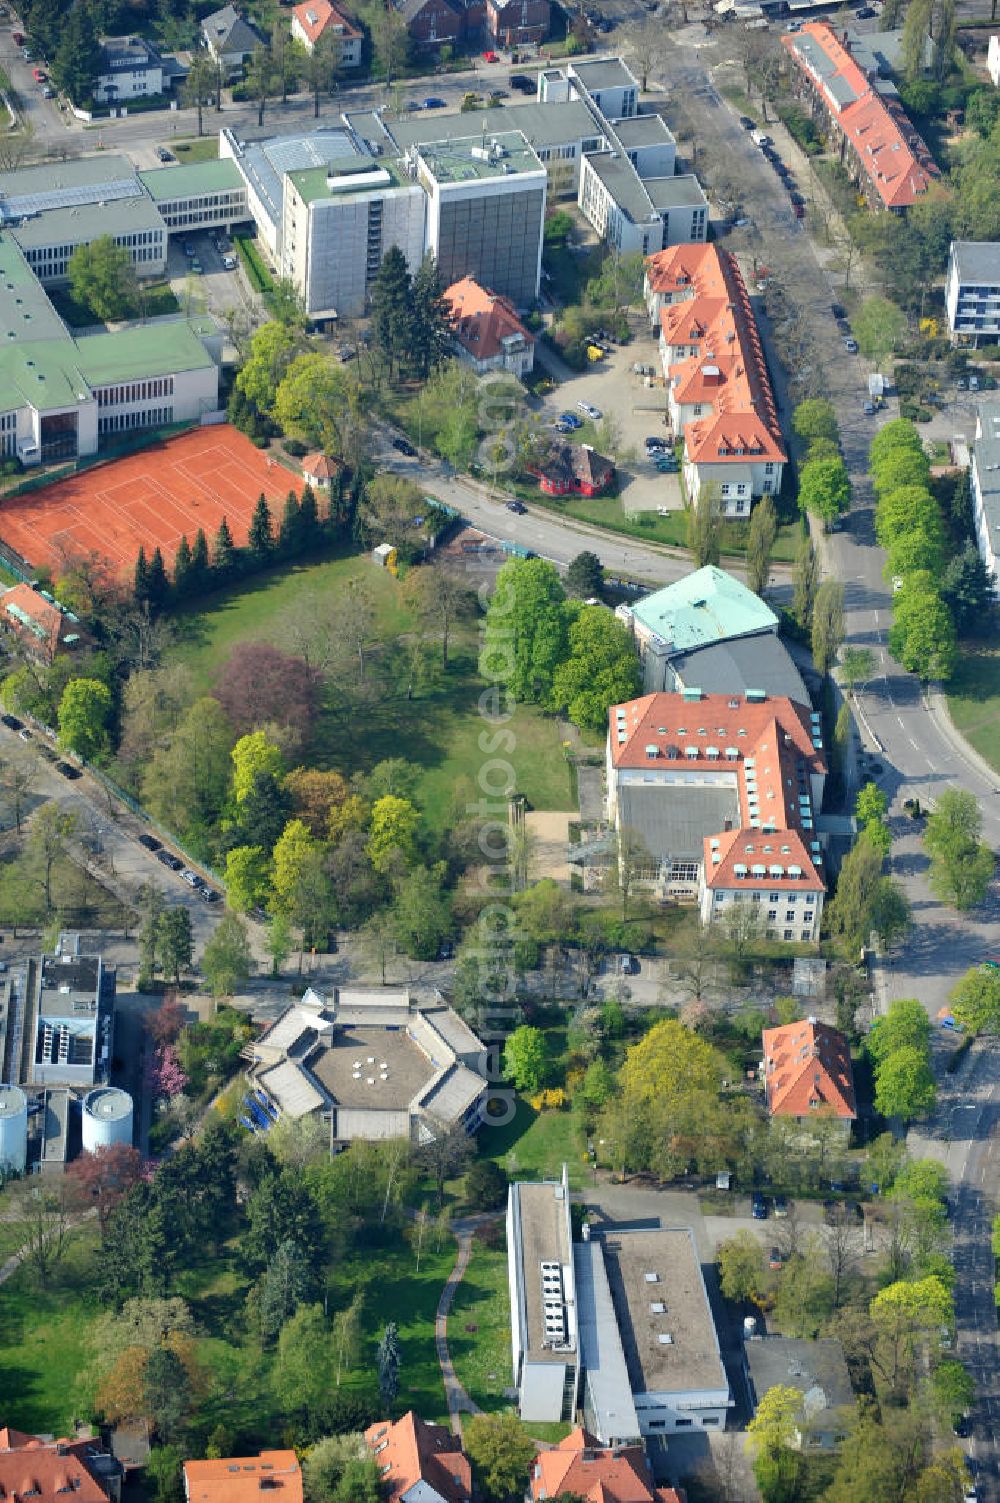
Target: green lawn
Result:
[439, 730]
[479, 1327]
[205, 149]
[44, 1345]
[607, 511]
[974, 700]
[535, 1145]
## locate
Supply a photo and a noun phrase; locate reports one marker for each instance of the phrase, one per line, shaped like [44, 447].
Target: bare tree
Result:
[17, 780]
[840, 1237]
[43, 1210]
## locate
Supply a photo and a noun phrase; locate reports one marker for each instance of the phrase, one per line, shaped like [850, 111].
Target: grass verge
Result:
[974, 700]
[203, 149]
[535, 1145]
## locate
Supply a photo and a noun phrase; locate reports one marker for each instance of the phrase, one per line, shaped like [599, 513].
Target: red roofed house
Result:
[722, 789]
[419, 1463]
[581, 1467]
[878, 144]
[47, 1470]
[316, 19]
[575, 470]
[718, 389]
[807, 1072]
[40, 625]
[488, 334]
[244, 1479]
[320, 471]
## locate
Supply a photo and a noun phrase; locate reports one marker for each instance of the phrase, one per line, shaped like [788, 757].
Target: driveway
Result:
[636, 409]
[216, 289]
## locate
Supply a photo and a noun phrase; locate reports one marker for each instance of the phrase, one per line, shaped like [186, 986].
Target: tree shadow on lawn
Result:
[496, 1141]
[20, 1402]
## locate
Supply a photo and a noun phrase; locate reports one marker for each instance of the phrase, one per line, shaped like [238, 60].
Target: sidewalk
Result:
[937, 708]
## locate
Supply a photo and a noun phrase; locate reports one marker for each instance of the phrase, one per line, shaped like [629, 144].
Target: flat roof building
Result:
[667, 1331]
[972, 291]
[543, 1307]
[818, 1370]
[984, 483]
[379, 1063]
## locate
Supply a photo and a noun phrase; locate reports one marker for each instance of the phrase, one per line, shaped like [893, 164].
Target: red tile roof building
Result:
[418, 1461]
[320, 470]
[45, 1471]
[879, 145]
[581, 1467]
[40, 625]
[488, 333]
[719, 392]
[807, 1070]
[273, 1475]
[316, 19]
[723, 790]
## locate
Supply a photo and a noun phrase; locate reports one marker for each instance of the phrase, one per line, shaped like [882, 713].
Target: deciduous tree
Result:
[601, 668]
[525, 1058]
[84, 712]
[501, 1452]
[227, 960]
[975, 999]
[102, 279]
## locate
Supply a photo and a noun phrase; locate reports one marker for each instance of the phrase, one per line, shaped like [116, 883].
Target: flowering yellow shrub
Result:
[549, 1100]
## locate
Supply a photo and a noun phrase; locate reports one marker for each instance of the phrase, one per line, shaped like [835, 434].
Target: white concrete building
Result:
[984, 483]
[544, 1338]
[993, 61]
[972, 292]
[131, 68]
[664, 1329]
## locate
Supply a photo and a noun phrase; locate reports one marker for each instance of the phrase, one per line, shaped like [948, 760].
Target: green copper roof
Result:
[191, 180]
[706, 606]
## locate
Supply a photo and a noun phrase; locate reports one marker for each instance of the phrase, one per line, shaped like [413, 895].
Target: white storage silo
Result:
[13, 1129]
[107, 1118]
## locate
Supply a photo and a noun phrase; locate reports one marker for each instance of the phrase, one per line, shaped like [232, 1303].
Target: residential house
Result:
[807, 1073]
[316, 19]
[724, 792]
[434, 23]
[130, 68]
[574, 470]
[862, 115]
[516, 23]
[321, 471]
[708, 631]
[972, 292]
[488, 334]
[719, 393]
[993, 61]
[984, 483]
[231, 39]
[418, 1462]
[242, 1479]
[819, 1371]
[581, 1467]
[40, 624]
[47, 1470]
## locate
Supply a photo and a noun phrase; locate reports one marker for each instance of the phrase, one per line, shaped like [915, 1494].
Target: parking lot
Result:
[637, 410]
[215, 286]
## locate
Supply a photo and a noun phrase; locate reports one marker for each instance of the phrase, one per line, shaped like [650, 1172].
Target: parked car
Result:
[191, 878]
[589, 410]
[196, 267]
[163, 154]
[560, 427]
[758, 1206]
[864, 13]
[150, 842]
[68, 771]
[229, 262]
[522, 83]
[629, 965]
[48, 753]
[517, 507]
[760, 138]
[963, 1427]
[48, 92]
[774, 1259]
[570, 419]
[799, 210]
[189, 249]
[851, 346]
[209, 894]
[11, 722]
[747, 123]
[39, 75]
[403, 446]
[868, 409]
[432, 102]
[780, 1206]
[655, 442]
[491, 57]
[838, 310]
[168, 859]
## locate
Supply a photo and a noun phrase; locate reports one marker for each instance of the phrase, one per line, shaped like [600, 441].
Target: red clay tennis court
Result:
[150, 499]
